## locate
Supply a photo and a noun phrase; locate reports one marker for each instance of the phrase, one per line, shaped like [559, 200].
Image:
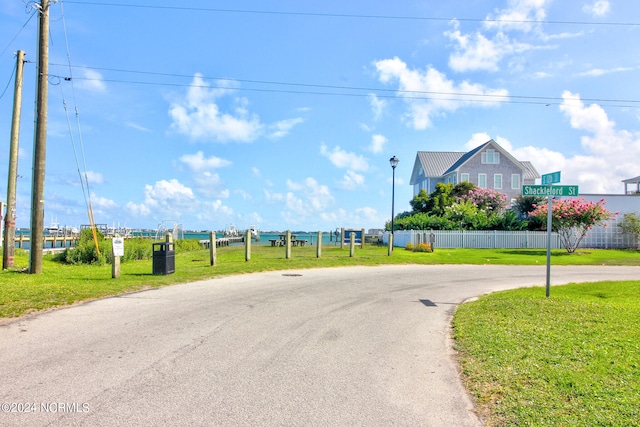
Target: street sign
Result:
[551, 178]
[550, 190]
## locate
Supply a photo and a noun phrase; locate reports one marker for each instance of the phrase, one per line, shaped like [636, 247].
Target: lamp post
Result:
[394, 162]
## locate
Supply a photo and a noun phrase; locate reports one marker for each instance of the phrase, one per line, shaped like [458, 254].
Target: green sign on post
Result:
[551, 178]
[550, 190]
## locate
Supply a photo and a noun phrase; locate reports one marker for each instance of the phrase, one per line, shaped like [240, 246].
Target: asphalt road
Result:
[326, 347]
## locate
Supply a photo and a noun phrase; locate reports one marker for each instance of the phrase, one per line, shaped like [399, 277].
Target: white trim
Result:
[483, 177]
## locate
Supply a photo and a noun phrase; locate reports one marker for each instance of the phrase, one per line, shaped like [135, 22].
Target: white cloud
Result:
[443, 94]
[214, 212]
[94, 177]
[210, 185]
[283, 127]
[484, 51]
[137, 126]
[165, 197]
[92, 81]
[344, 160]
[609, 154]
[352, 180]
[597, 8]
[198, 115]
[271, 197]
[102, 202]
[478, 139]
[377, 143]
[170, 198]
[477, 52]
[592, 119]
[253, 218]
[597, 72]
[207, 183]
[521, 15]
[136, 209]
[197, 162]
[244, 194]
[312, 198]
[377, 105]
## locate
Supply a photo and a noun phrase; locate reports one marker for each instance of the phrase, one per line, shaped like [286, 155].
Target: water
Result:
[310, 237]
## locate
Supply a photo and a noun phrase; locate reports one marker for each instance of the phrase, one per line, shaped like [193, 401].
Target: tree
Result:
[524, 205]
[487, 200]
[573, 218]
[420, 201]
[440, 198]
[469, 216]
[462, 189]
[631, 224]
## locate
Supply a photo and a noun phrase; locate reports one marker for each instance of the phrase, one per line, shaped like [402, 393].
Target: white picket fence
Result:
[608, 237]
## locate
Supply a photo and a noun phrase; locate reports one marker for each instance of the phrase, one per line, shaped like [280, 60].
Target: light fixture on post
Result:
[394, 162]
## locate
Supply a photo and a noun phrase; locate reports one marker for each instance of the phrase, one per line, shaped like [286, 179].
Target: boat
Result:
[231, 232]
[255, 233]
[53, 228]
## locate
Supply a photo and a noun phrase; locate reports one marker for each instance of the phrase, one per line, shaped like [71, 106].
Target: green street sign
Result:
[550, 190]
[551, 178]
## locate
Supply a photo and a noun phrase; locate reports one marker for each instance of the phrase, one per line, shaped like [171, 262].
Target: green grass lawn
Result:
[568, 360]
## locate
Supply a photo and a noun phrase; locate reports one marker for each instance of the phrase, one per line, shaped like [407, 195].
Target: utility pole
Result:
[10, 217]
[40, 141]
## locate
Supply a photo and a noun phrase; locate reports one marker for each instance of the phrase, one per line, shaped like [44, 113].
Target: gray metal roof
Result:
[530, 172]
[436, 164]
[632, 180]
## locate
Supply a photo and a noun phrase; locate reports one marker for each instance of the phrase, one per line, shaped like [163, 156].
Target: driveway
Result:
[324, 347]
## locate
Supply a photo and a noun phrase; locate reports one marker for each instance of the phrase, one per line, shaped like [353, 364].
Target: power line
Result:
[18, 33]
[380, 92]
[345, 15]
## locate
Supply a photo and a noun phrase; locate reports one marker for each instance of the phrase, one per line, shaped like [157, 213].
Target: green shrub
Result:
[135, 249]
[188, 245]
[85, 250]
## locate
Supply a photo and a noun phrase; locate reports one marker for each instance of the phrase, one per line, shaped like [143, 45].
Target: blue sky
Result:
[284, 114]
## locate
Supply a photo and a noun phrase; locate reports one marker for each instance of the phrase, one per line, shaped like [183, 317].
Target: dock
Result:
[50, 242]
[222, 241]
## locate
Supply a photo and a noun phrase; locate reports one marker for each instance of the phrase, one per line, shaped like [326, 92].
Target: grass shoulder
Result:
[571, 359]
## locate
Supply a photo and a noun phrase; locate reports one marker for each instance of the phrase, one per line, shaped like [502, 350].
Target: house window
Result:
[464, 177]
[482, 180]
[490, 157]
[515, 181]
[497, 181]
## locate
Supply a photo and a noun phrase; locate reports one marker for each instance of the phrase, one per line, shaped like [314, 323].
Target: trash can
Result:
[164, 258]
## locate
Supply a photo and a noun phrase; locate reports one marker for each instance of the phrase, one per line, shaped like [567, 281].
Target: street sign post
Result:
[550, 190]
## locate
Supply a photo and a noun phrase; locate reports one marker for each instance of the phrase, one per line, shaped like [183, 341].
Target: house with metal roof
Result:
[487, 166]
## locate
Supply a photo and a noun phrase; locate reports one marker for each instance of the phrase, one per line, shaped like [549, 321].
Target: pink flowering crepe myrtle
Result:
[573, 218]
[486, 199]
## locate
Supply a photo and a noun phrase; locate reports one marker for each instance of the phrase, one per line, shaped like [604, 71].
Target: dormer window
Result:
[490, 157]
